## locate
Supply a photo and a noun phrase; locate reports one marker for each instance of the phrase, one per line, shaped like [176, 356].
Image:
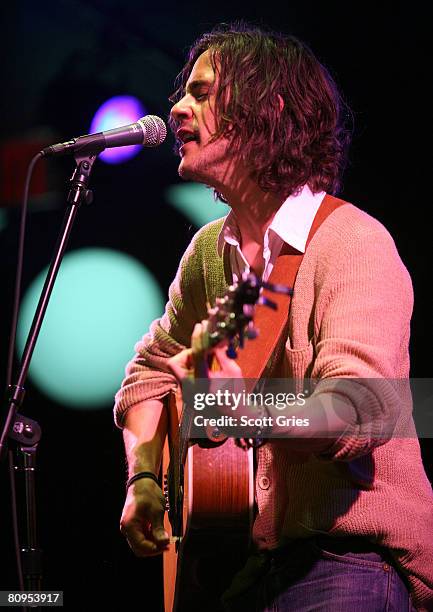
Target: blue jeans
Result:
[309, 578]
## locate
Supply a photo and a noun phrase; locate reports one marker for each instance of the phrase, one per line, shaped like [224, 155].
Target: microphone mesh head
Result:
[154, 130]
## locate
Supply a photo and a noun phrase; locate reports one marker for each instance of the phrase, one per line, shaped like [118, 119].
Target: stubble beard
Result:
[208, 166]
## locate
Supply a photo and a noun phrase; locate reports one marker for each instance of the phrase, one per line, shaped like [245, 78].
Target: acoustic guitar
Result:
[209, 484]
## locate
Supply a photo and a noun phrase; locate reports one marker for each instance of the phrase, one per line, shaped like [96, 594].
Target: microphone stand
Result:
[24, 432]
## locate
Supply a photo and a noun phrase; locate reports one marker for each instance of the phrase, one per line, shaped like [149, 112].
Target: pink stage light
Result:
[115, 112]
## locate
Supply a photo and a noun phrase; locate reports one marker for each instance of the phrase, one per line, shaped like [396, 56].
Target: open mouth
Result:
[185, 141]
[185, 136]
[188, 138]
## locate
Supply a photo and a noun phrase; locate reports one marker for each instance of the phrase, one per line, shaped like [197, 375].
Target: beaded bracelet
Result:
[139, 475]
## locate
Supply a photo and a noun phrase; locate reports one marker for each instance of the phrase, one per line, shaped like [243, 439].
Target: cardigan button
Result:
[264, 482]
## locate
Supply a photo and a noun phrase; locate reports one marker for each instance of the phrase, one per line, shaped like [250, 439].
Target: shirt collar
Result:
[292, 221]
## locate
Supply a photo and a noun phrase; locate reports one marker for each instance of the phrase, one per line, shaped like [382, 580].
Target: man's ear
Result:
[281, 102]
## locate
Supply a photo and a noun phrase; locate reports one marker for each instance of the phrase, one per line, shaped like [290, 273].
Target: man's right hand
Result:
[142, 520]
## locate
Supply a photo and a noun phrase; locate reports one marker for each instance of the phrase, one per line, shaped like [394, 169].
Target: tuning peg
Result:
[248, 310]
[252, 332]
[278, 288]
[231, 351]
[267, 302]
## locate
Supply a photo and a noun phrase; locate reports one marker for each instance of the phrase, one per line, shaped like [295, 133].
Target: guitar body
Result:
[213, 518]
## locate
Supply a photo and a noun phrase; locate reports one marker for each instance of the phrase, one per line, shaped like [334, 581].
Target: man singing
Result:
[347, 519]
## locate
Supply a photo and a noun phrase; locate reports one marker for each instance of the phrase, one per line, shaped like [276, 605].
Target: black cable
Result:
[11, 351]
[19, 270]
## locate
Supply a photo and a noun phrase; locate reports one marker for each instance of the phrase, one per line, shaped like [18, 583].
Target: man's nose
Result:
[181, 110]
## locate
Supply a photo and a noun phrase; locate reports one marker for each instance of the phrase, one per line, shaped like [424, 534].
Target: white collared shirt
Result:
[291, 224]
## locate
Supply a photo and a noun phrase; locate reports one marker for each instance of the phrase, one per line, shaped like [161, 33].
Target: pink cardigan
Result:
[350, 318]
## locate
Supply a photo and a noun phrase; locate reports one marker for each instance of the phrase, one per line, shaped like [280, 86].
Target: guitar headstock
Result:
[232, 317]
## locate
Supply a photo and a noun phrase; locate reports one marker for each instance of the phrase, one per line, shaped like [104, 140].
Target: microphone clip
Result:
[79, 192]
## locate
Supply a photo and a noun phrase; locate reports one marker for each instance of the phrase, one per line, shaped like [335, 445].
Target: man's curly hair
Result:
[304, 143]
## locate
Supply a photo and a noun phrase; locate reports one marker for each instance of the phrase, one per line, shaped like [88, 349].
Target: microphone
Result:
[149, 131]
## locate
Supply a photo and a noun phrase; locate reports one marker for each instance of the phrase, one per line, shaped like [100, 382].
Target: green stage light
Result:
[102, 303]
[196, 202]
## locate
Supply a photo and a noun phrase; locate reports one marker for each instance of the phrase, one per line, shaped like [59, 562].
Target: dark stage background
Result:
[62, 60]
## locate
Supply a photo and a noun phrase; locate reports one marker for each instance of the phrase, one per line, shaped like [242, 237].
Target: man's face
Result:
[201, 160]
